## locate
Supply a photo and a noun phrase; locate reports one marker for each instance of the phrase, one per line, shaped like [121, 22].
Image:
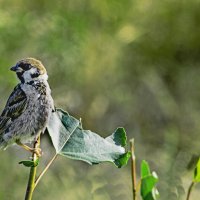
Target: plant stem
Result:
[32, 174]
[45, 169]
[190, 190]
[133, 168]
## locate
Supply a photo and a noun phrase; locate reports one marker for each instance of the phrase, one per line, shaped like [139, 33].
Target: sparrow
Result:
[29, 106]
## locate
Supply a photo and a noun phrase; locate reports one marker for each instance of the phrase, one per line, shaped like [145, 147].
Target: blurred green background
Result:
[130, 63]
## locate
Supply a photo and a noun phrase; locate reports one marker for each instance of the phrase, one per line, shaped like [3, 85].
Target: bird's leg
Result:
[32, 150]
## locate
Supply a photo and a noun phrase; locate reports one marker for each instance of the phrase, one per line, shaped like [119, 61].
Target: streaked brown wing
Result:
[4, 121]
[14, 107]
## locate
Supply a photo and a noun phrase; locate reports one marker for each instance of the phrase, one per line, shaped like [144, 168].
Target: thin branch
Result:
[45, 169]
[190, 190]
[133, 168]
[32, 174]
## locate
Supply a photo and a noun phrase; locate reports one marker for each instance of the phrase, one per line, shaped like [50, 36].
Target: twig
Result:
[45, 169]
[32, 174]
[133, 168]
[190, 190]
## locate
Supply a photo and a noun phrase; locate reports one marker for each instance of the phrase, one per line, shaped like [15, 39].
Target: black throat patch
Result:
[20, 76]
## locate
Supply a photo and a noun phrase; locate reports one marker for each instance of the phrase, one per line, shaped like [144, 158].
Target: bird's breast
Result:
[39, 106]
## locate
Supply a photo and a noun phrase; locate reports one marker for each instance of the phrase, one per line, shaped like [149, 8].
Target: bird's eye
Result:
[25, 66]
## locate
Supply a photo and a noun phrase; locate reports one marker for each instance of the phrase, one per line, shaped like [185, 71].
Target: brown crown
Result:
[35, 63]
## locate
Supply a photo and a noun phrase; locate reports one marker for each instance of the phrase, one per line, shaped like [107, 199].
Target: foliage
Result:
[148, 182]
[126, 63]
[70, 140]
[29, 163]
[196, 179]
[197, 172]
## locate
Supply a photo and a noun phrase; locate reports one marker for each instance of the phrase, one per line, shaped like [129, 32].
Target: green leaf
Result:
[120, 137]
[123, 159]
[148, 183]
[70, 140]
[145, 170]
[29, 163]
[197, 172]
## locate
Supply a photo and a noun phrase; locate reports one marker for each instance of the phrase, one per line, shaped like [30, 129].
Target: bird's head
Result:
[30, 69]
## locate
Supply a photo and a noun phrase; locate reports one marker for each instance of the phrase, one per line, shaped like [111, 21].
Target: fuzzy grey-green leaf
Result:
[70, 140]
[61, 125]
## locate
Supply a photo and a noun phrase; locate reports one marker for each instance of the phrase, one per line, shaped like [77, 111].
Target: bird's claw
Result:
[37, 151]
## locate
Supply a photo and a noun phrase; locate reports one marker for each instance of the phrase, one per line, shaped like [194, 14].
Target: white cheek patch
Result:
[27, 76]
[32, 71]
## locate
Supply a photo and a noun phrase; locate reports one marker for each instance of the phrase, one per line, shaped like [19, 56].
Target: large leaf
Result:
[148, 183]
[60, 128]
[70, 140]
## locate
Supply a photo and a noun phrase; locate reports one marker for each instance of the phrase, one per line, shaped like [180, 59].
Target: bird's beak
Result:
[16, 68]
